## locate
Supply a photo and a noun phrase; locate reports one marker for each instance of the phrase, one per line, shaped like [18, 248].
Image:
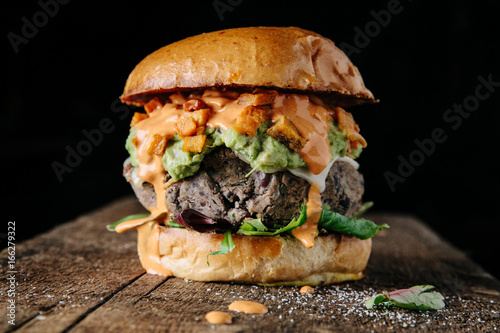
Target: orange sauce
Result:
[132, 224]
[225, 108]
[148, 245]
[248, 307]
[218, 317]
[309, 230]
[309, 118]
[307, 290]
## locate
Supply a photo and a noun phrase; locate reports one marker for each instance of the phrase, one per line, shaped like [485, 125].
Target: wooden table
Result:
[79, 277]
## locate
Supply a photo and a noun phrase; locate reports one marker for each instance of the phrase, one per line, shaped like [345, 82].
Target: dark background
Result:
[66, 77]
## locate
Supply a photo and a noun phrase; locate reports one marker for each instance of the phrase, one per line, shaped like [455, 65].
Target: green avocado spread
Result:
[262, 152]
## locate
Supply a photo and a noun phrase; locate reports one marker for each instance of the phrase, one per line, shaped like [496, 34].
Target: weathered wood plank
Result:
[86, 279]
[71, 269]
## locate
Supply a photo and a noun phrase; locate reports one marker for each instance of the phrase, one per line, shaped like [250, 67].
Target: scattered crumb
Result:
[335, 304]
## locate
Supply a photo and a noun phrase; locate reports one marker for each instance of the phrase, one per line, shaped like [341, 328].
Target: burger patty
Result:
[221, 191]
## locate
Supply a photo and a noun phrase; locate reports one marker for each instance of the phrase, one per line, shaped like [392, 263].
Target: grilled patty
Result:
[221, 191]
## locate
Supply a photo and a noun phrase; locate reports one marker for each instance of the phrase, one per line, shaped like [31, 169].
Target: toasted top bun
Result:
[286, 59]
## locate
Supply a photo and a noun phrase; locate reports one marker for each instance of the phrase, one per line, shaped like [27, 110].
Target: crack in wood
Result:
[150, 291]
[29, 319]
[98, 305]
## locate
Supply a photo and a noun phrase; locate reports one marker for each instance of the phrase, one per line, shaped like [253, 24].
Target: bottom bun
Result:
[276, 260]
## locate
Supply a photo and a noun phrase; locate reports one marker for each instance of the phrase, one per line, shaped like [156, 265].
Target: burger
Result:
[245, 158]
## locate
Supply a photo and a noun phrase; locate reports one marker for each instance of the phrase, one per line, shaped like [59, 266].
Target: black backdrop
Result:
[66, 63]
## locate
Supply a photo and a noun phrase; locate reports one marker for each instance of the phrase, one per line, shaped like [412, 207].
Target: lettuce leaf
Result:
[357, 227]
[331, 221]
[414, 298]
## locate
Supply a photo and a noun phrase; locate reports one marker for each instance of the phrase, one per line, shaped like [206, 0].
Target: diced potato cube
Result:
[137, 118]
[153, 105]
[346, 120]
[200, 130]
[158, 144]
[201, 116]
[194, 143]
[195, 104]
[285, 132]
[260, 98]
[249, 119]
[186, 126]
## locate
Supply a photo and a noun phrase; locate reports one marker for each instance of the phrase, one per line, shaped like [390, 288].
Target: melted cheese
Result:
[350, 161]
[320, 179]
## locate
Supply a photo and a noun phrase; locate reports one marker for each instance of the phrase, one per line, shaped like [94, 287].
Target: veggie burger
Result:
[246, 159]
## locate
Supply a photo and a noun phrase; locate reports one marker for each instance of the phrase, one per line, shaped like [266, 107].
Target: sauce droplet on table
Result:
[248, 307]
[218, 317]
[307, 290]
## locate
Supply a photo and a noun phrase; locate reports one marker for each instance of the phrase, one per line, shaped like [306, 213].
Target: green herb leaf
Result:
[173, 224]
[252, 228]
[414, 298]
[364, 208]
[375, 301]
[360, 228]
[226, 246]
[246, 227]
[112, 226]
[256, 224]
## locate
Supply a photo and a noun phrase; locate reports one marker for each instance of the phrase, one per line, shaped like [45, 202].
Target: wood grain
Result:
[81, 278]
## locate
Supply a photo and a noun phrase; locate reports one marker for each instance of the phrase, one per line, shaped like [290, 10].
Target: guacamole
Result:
[262, 152]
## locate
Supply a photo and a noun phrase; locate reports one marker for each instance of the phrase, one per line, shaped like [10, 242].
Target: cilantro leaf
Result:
[414, 298]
